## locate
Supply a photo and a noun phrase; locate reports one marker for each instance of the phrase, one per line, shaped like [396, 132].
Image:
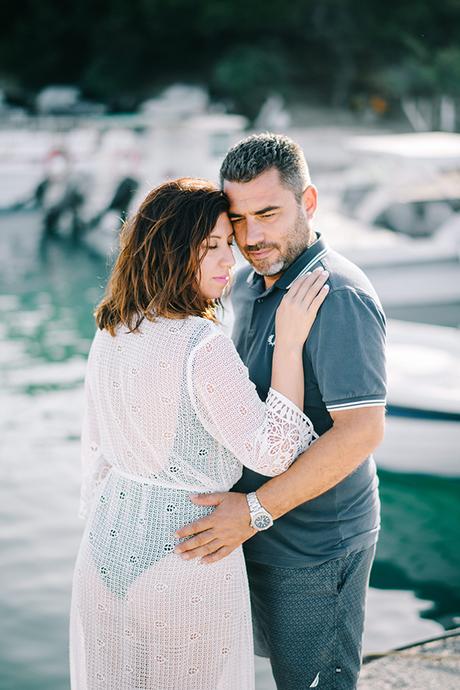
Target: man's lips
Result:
[259, 253]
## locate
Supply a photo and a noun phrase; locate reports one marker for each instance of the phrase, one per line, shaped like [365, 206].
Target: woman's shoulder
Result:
[201, 329]
[195, 330]
[211, 345]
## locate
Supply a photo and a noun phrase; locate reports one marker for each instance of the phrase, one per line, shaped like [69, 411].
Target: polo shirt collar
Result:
[302, 265]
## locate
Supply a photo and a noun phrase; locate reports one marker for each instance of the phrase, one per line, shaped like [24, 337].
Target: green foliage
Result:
[447, 66]
[248, 73]
[331, 50]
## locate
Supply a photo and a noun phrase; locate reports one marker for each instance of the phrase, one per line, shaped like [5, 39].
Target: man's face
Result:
[271, 227]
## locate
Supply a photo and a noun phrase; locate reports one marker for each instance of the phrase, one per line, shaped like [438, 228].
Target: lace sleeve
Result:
[93, 465]
[266, 437]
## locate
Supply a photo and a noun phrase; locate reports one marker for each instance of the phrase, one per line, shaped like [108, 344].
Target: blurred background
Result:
[101, 101]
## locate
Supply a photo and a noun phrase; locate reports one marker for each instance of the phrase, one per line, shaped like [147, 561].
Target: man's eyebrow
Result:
[260, 212]
[267, 209]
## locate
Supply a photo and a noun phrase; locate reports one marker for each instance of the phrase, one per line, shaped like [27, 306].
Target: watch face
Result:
[262, 521]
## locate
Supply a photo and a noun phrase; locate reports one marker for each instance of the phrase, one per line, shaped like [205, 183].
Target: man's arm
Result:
[347, 350]
[336, 454]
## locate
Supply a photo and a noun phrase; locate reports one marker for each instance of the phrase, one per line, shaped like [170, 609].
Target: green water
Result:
[418, 547]
[46, 298]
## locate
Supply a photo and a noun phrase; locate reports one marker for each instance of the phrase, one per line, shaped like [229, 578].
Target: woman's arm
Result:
[332, 458]
[265, 437]
[94, 467]
[294, 319]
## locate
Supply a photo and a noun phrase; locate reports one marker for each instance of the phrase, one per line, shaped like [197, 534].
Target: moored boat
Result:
[423, 422]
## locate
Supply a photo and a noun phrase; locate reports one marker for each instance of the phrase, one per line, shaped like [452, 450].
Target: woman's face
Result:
[218, 259]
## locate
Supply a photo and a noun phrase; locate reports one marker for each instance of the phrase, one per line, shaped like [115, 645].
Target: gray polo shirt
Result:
[344, 365]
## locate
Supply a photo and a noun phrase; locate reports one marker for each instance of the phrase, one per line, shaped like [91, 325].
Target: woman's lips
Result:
[222, 279]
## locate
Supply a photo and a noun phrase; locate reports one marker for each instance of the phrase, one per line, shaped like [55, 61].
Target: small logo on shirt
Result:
[271, 340]
[315, 682]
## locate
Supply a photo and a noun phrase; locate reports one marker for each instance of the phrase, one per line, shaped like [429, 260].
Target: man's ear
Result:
[310, 200]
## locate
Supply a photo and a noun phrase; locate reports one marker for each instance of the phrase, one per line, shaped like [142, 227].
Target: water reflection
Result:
[418, 548]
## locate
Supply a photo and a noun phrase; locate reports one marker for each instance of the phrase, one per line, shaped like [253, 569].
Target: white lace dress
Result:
[169, 411]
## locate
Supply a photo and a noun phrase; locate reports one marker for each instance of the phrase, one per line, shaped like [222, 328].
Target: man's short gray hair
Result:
[260, 152]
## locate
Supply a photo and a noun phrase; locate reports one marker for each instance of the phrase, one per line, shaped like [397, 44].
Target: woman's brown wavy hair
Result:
[157, 269]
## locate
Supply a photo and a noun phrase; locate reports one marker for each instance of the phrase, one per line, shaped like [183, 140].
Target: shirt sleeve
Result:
[347, 350]
[266, 437]
[94, 467]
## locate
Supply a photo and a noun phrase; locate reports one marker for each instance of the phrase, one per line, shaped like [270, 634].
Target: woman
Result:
[170, 411]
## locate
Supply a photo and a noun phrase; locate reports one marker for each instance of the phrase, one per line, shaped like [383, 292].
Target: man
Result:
[308, 571]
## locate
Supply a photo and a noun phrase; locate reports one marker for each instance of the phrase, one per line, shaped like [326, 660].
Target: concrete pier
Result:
[431, 665]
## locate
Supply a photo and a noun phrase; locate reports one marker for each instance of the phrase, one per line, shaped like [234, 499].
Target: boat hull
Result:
[420, 445]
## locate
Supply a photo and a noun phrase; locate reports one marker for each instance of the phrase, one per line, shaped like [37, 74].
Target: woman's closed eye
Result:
[231, 243]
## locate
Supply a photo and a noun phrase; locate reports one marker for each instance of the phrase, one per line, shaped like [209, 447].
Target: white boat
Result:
[423, 421]
[437, 147]
[416, 280]
[409, 183]
[180, 133]
[175, 147]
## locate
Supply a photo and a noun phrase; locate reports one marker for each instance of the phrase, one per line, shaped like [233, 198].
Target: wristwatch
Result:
[260, 518]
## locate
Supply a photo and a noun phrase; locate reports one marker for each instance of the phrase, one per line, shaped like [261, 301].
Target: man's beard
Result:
[296, 243]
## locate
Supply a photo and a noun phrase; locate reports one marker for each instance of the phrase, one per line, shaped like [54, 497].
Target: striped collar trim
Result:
[318, 249]
[251, 277]
[309, 266]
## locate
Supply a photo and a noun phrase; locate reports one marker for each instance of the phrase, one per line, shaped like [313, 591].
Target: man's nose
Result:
[254, 232]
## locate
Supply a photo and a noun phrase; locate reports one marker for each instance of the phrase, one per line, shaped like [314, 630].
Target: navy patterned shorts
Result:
[309, 621]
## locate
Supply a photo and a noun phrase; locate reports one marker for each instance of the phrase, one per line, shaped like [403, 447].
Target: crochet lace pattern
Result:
[170, 411]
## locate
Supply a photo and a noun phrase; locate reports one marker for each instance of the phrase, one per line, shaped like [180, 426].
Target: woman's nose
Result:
[228, 259]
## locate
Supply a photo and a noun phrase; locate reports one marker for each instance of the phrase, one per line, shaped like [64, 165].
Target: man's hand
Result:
[221, 532]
